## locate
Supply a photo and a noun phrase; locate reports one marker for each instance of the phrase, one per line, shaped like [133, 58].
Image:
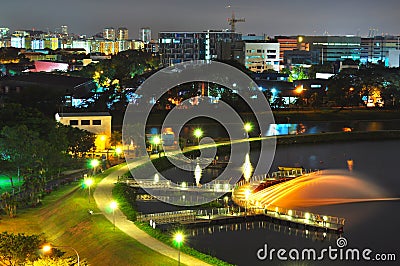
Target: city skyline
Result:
[351, 17]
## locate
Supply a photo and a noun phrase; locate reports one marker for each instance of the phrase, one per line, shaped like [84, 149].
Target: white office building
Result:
[260, 56]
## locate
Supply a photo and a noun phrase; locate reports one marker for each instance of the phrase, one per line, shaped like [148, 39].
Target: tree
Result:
[79, 141]
[8, 204]
[325, 68]
[20, 147]
[17, 249]
[297, 73]
[279, 102]
[116, 138]
[36, 148]
[22, 249]
[351, 85]
[56, 261]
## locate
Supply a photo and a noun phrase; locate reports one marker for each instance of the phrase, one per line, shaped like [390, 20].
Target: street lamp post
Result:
[89, 183]
[118, 151]
[156, 141]
[113, 206]
[94, 163]
[248, 127]
[47, 248]
[198, 133]
[179, 240]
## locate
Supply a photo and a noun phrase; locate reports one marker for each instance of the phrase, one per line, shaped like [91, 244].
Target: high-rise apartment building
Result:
[109, 33]
[4, 32]
[177, 47]
[122, 34]
[64, 30]
[145, 35]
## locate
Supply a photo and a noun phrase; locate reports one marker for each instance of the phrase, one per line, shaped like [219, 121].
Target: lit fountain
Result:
[156, 178]
[197, 174]
[247, 168]
[327, 188]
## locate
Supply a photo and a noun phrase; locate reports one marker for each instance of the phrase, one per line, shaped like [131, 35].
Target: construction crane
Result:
[233, 20]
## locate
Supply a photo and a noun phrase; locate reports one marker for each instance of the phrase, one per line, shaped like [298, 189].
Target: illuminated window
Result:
[97, 122]
[73, 122]
[85, 122]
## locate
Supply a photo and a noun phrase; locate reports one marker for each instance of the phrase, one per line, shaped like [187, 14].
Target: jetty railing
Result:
[168, 217]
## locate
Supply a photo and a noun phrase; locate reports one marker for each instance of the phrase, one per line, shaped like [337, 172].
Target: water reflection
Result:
[330, 126]
[313, 235]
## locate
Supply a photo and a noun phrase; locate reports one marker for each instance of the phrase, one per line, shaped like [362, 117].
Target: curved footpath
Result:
[103, 197]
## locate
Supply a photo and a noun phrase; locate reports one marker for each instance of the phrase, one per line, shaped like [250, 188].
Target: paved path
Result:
[103, 197]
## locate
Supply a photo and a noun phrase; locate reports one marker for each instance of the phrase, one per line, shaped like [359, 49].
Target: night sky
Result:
[272, 17]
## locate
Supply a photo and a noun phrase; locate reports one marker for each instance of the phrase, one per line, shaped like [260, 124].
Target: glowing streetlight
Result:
[179, 238]
[156, 140]
[94, 163]
[248, 127]
[299, 89]
[113, 206]
[48, 247]
[118, 151]
[198, 133]
[89, 183]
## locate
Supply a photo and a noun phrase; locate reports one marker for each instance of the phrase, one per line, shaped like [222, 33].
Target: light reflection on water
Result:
[283, 229]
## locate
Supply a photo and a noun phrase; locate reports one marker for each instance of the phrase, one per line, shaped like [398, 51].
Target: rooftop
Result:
[83, 114]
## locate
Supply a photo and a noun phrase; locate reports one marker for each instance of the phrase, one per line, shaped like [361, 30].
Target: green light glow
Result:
[156, 140]
[179, 238]
[198, 133]
[94, 163]
[113, 205]
[248, 127]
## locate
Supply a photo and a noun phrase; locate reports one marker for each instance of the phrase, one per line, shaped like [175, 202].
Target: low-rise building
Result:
[261, 56]
[97, 123]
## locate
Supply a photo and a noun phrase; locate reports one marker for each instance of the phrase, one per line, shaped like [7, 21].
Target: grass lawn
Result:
[65, 221]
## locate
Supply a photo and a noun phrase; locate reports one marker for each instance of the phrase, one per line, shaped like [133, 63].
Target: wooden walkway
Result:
[223, 216]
